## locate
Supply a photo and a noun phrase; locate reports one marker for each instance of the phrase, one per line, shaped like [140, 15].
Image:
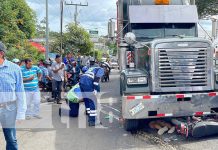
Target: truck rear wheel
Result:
[131, 124]
[121, 88]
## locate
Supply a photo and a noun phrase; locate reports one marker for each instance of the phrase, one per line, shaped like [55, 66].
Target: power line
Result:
[76, 9]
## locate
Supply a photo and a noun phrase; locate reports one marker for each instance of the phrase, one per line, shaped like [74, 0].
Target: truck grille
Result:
[182, 67]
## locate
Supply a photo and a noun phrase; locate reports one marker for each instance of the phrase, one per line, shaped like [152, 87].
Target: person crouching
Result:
[74, 97]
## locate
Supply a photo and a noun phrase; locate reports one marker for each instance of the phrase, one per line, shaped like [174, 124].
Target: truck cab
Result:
[168, 71]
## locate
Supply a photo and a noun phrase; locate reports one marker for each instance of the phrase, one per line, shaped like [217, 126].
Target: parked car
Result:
[114, 64]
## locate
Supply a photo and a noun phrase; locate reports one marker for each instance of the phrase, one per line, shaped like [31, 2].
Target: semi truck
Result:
[167, 71]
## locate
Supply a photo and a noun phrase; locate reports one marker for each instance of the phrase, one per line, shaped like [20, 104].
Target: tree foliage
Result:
[75, 38]
[17, 25]
[207, 8]
[17, 22]
[27, 51]
[41, 29]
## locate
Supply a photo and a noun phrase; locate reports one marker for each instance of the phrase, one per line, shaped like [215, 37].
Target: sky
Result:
[96, 15]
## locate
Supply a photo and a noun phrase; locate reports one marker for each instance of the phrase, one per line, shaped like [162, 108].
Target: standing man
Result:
[68, 59]
[59, 74]
[79, 60]
[76, 72]
[31, 77]
[84, 61]
[45, 75]
[89, 83]
[12, 101]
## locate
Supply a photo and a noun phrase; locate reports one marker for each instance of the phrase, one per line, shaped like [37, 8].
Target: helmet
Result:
[84, 69]
[15, 60]
[100, 73]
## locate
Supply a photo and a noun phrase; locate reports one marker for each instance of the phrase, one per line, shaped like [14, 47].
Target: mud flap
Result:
[205, 128]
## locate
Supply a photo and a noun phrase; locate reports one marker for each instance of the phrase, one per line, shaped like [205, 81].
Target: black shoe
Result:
[50, 100]
[91, 124]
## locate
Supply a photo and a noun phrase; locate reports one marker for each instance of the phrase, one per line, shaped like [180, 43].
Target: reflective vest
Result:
[74, 95]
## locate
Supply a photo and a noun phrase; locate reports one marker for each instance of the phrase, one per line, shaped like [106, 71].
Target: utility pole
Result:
[76, 10]
[47, 32]
[61, 25]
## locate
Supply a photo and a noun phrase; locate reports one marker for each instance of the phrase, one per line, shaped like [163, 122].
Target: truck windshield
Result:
[160, 30]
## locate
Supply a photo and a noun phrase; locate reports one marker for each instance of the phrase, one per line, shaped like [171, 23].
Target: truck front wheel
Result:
[121, 87]
[131, 124]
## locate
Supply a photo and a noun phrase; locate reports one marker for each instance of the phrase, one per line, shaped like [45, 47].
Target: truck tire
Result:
[131, 124]
[121, 88]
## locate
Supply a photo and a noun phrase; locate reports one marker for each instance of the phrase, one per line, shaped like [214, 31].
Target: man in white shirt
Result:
[58, 75]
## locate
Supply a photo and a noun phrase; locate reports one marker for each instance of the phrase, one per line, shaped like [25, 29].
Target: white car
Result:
[114, 65]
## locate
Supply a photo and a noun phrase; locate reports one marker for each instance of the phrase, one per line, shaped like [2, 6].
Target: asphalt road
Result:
[63, 133]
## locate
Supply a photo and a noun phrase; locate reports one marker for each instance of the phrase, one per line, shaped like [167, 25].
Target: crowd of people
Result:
[22, 81]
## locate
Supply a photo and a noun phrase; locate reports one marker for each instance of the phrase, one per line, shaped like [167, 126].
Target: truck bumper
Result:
[169, 105]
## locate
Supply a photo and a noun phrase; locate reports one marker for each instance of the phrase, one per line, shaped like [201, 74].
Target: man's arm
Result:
[47, 75]
[28, 79]
[39, 73]
[65, 75]
[21, 97]
[56, 70]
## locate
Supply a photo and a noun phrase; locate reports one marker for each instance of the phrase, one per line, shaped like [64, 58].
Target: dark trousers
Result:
[90, 102]
[57, 88]
[74, 109]
[7, 120]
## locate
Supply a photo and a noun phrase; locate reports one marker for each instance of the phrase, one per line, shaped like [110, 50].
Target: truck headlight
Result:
[137, 80]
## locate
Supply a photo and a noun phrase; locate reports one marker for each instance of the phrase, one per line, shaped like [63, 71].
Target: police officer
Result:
[89, 83]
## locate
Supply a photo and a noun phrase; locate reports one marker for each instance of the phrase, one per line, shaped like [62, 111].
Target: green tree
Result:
[17, 22]
[207, 8]
[28, 51]
[78, 38]
[17, 25]
[75, 37]
[41, 29]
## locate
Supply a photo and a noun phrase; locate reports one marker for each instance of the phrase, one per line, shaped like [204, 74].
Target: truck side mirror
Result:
[111, 29]
[130, 38]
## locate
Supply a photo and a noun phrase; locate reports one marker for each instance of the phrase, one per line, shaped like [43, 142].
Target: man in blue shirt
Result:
[31, 76]
[45, 76]
[68, 59]
[13, 99]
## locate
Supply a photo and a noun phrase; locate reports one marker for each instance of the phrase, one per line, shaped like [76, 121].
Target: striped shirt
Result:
[44, 74]
[33, 84]
[12, 88]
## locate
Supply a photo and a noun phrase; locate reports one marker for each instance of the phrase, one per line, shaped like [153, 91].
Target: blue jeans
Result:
[57, 88]
[7, 120]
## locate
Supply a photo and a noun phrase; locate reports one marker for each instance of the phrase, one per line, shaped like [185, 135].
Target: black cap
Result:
[2, 47]
[58, 56]
[27, 60]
